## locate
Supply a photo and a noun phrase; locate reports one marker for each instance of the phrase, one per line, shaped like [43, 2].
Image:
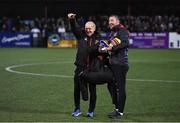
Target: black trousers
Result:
[78, 81]
[112, 90]
[118, 87]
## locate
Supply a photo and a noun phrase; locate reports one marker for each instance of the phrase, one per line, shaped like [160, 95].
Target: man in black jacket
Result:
[87, 51]
[119, 41]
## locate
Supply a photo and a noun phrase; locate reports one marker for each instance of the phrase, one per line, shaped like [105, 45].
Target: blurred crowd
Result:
[156, 23]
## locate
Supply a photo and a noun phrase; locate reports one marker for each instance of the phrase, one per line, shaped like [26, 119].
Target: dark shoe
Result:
[115, 114]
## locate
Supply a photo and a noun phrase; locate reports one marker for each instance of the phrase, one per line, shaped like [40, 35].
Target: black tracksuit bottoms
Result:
[118, 87]
[79, 88]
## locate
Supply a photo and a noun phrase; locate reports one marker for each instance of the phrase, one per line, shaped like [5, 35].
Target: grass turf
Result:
[49, 99]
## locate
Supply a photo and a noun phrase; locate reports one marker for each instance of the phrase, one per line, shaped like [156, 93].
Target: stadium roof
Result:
[39, 8]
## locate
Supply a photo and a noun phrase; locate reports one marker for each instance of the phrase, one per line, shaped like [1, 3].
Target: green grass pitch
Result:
[153, 87]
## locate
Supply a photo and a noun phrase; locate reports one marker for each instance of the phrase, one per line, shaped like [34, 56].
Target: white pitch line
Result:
[10, 69]
[151, 80]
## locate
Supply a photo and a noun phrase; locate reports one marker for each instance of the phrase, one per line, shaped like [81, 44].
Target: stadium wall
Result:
[18, 39]
[67, 40]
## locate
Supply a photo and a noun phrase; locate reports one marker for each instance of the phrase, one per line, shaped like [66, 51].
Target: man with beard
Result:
[119, 41]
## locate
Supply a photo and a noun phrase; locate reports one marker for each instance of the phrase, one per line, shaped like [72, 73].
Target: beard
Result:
[111, 26]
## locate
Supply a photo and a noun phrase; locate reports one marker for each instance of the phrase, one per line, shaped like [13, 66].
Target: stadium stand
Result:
[157, 23]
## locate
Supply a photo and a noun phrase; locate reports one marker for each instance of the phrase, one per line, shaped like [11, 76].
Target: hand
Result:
[109, 48]
[102, 50]
[113, 43]
[71, 15]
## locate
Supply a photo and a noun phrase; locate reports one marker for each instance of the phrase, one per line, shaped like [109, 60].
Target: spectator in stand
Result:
[156, 23]
[36, 36]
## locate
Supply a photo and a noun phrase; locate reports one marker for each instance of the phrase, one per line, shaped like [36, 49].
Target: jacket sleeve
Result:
[123, 36]
[76, 29]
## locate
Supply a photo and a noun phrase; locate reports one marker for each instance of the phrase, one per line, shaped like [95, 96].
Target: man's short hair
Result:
[116, 16]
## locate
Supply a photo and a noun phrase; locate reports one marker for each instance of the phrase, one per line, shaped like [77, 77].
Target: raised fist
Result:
[71, 15]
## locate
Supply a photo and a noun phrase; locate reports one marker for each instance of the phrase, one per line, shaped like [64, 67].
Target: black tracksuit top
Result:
[86, 51]
[119, 55]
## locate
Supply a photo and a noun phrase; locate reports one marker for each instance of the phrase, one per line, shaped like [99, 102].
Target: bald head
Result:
[90, 28]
